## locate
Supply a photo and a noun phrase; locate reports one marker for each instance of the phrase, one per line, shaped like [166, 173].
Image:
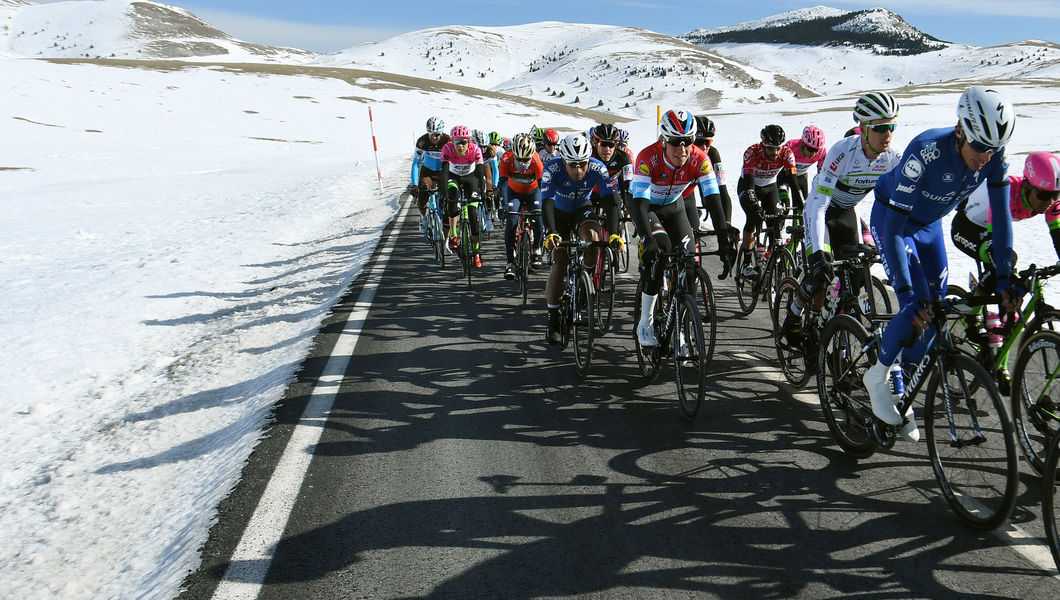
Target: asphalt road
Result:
[464, 458]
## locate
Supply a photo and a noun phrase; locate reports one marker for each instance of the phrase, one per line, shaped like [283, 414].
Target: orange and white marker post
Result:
[375, 148]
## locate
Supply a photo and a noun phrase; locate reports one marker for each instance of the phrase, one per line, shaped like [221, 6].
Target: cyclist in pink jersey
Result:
[1035, 193]
[808, 150]
[463, 174]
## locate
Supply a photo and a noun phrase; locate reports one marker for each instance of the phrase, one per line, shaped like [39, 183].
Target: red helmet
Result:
[551, 136]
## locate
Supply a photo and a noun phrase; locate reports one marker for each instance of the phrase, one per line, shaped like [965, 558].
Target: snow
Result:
[173, 238]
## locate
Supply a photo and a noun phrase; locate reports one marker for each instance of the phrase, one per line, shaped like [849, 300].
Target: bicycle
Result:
[524, 237]
[1051, 498]
[779, 262]
[465, 248]
[969, 436]
[679, 330]
[577, 304]
[799, 362]
[434, 233]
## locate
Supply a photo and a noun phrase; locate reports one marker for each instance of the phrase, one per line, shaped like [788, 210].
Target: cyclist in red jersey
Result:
[765, 166]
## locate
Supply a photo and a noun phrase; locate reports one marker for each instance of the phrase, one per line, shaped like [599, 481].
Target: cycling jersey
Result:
[620, 168]
[489, 156]
[428, 155]
[656, 180]
[764, 169]
[570, 195]
[522, 175]
[977, 209]
[848, 177]
[802, 162]
[547, 156]
[462, 165]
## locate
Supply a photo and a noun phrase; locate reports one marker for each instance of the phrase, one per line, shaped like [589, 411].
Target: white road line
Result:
[252, 557]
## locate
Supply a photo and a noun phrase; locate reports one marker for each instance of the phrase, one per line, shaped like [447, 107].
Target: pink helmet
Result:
[1042, 170]
[813, 137]
[460, 132]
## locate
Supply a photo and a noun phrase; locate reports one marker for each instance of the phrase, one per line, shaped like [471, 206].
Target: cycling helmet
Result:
[523, 147]
[605, 132]
[495, 138]
[985, 116]
[875, 105]
[704, 127]
[678, 123]
[1042, 170]
[551, 136]
[813, 137]
[539, 134]
[460, 132]
[507, 144]
[435, 125]
[623, 137]
[480, 138]
[773, 135]
[575, 148]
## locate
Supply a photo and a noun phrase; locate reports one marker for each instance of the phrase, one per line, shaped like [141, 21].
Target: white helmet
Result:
[575, 148]
[874, 106]
[986, 117]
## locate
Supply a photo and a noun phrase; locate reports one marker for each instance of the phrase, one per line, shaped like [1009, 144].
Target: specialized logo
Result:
[913, 169]
[947, 177]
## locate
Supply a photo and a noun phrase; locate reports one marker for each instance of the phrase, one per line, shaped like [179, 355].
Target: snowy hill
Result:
[123, 29]
[876, 29]
[620, 70]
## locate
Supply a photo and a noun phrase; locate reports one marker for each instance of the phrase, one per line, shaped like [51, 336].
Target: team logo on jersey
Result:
[704, 167]
[546, 177]
[930, 152]
[948, 177]
[913, 169]
[644, 169]
[664, 175]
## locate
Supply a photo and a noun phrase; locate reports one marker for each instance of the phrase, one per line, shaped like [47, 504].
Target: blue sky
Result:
[330, 25]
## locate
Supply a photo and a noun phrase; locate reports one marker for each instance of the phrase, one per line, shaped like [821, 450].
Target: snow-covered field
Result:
[174, 236]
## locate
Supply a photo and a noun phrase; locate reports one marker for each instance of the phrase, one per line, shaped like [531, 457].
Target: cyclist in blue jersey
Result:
[939, 169]
[566, 187]
[427, 164]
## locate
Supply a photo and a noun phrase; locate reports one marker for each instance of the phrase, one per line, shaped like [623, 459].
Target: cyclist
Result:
[662, 172]
[808, 149]
[463, 172]
[939, 170]
[705, 130]
[853, 166]
[716, 210]
[489, 158]
[549, 150]
[1033, 194]
[427, 164]
[619, 165]
[765, 166]
[566, 185]
[520, 170]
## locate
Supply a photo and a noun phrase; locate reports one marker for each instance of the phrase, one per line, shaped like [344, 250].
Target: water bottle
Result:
[993, 321]
[894, 374]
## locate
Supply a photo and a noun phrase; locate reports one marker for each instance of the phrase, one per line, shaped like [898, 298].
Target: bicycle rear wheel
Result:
[467, 249]
[1034, 400]
[846, 353]
[690, 366]
[438, 239]
[795, 360]
[1051, 498]
[523, 258]
[881, 297]
[583, 324]
[605, 293]
[779, 266]
[704, 291]
[970, 442]
[746, 287]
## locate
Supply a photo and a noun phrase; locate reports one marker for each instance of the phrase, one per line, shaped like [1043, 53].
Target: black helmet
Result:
[773, 135]
[704, 127]
[605, 132]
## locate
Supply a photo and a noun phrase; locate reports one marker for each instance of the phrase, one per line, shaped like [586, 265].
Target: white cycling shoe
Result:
[883, 405]
[646, 335]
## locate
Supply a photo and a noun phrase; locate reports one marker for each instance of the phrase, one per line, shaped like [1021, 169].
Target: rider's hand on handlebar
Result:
[552, 241]
[616, 242]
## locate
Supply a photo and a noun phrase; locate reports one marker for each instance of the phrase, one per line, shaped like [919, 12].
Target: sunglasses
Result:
[460, 142]
[883, 127]
[580, 164]
[606, 144]
[435, 134]
[683, 142]
[702, 142]
[551, 143]
[769, 148]
[981, 148]
[1048, 196]
[810, 149]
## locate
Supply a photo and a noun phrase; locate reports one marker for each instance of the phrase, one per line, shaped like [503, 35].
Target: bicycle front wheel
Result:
[970, 442]
[746, 286]
[795, 361]
[583, 325]
[648, 357]
[1035, 383]
[438, 239]
[846, 353]
[523, 260]
[1051, 498]
[690, 364]
[704, 291]
[605, 293]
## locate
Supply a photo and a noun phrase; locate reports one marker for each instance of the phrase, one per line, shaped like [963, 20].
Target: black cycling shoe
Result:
[792, 329]
[555, 336]
[509, 272]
